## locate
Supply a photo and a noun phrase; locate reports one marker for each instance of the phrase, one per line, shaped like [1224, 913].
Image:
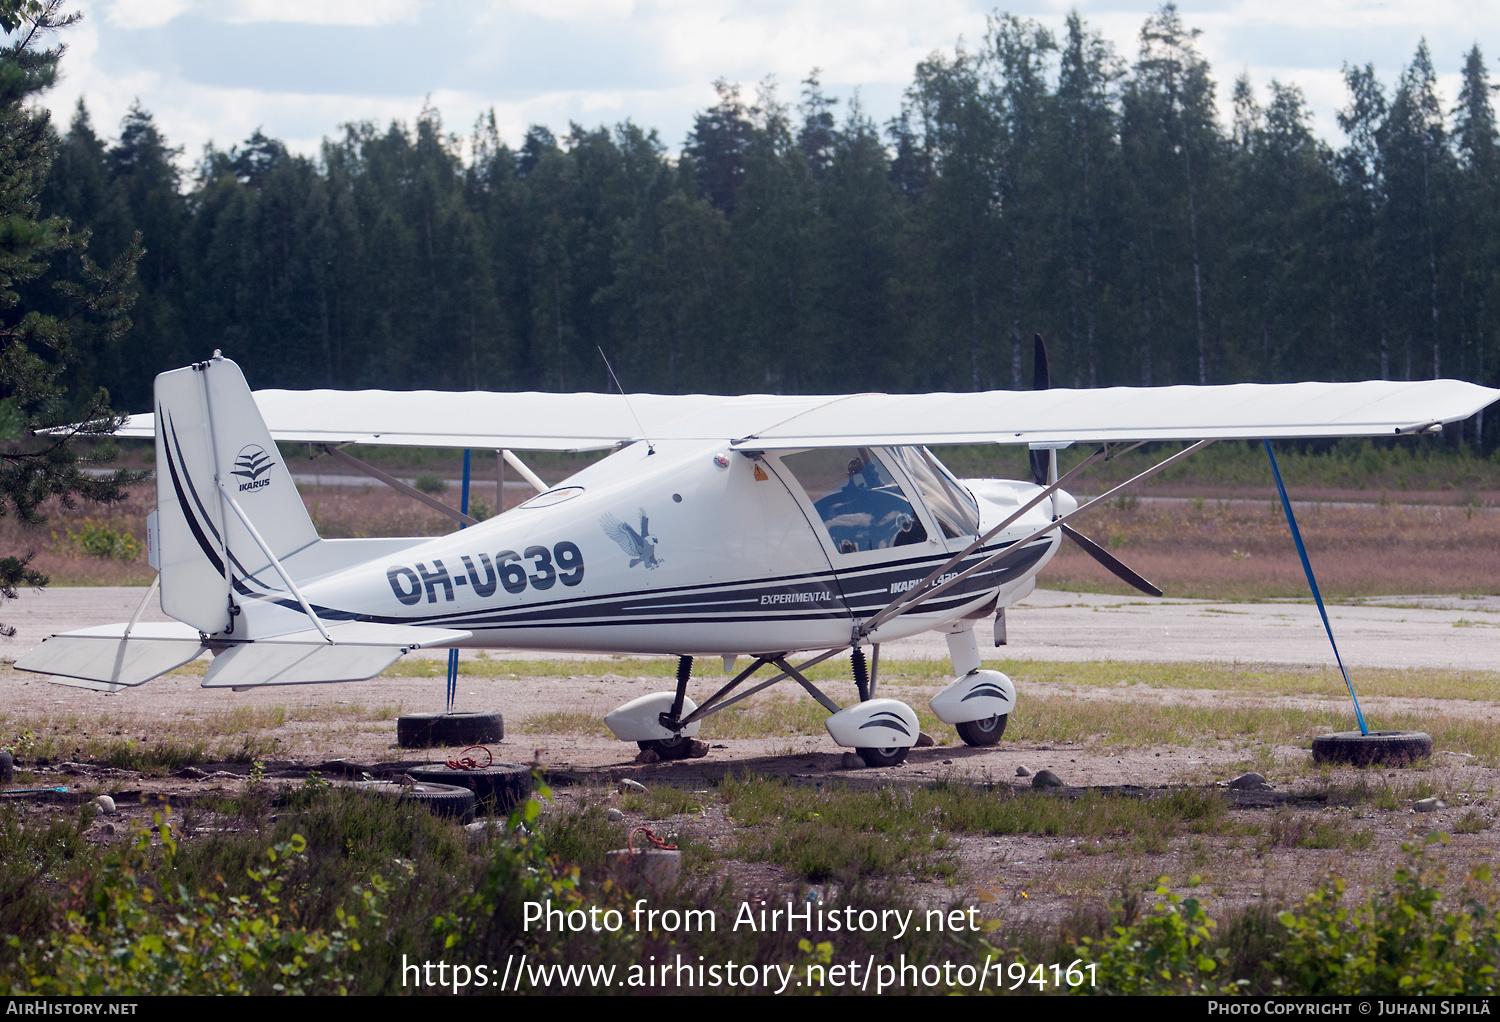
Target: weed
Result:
[660, 801]
[1471, 822]
[93, 538]
[567, 722]
[152, 758]
[1288, 829]
[1399, 941]
[1168, 950]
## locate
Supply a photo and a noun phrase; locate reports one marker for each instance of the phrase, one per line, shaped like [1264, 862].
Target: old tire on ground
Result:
[442, 799]
[498, 788]
[983, 732]
[422, 730]
[883, 757]
[676, 747]
[1386, 748]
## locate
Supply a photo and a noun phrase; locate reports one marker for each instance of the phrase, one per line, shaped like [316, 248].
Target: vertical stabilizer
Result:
[209, 434]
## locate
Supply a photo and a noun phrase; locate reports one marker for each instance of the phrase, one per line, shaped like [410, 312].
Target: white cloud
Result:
[653, 61]
[321, 12]
[567, 10]
[144, 13]
[140, 14]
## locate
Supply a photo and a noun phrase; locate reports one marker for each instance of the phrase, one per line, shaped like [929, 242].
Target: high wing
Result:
[578, 422]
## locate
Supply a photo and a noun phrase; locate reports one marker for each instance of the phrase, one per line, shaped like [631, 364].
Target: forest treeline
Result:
[1037, 183]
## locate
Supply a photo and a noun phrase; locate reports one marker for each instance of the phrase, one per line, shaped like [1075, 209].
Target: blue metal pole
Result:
[1291, 521]
[463, 505]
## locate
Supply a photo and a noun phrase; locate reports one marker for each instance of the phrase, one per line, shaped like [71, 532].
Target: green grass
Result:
[1373, 788]
[1045, 714]
[839, 833]
[418, 887]
[1471, 822]
[1248, 678]
[239, 735]
[1258, 679]
[1288, 829]
[1125, 725]
[662, 801]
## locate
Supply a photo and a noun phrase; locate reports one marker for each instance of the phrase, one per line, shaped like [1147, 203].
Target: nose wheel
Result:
[676, 747]
[982, 732]
[883, 757]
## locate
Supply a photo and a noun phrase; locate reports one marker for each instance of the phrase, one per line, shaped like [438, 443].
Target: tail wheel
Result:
[983, 732]
[883, 757]
[676, 747]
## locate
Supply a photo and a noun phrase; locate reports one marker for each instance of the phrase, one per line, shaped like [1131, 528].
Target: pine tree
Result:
[1479, 155]
[36, 346]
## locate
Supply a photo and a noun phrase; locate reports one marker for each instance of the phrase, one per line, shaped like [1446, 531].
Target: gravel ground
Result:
[1030, 877]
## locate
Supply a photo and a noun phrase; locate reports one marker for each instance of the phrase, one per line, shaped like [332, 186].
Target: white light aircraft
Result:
[754, 526]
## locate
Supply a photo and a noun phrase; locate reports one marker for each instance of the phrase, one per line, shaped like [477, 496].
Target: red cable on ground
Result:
[467, 762]
[655, 841]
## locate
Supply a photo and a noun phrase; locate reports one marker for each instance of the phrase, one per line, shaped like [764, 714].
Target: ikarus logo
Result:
[253, 466]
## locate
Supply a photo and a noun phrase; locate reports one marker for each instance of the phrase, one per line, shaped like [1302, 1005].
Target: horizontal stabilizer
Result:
[371, 633]
[267, 663]
[103, 659]
[361, 650]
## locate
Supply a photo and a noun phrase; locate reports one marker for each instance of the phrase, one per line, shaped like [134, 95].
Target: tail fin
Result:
[209, 434]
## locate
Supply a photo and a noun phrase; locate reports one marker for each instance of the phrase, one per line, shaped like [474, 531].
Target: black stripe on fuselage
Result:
[733, 602]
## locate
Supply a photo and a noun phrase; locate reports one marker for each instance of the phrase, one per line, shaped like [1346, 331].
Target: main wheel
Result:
[676, 747]
[883, 757]
[983, 732]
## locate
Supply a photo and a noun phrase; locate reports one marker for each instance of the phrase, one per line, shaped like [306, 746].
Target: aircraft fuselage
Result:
[695, 548]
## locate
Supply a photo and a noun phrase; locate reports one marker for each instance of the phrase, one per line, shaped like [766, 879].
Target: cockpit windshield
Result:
[949, 501]
[857, 498]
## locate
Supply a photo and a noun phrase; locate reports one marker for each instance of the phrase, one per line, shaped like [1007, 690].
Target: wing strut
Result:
[396, 484]
[520, 466]
[902, 607]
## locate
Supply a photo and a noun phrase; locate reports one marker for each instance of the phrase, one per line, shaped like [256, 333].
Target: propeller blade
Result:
[1041, 376]
[1110, 561]
[1041, 379]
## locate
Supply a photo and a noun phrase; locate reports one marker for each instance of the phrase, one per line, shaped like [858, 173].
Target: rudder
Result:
[209, 432]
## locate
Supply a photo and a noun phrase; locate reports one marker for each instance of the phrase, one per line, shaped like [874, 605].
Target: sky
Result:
[217, 70]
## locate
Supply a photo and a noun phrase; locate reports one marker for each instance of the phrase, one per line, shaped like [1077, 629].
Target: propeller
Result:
[1044, 473]
[1043, 463]
[1110, 561]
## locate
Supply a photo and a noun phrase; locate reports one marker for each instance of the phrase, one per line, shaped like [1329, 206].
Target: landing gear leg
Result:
[887, 757]
[679, 746]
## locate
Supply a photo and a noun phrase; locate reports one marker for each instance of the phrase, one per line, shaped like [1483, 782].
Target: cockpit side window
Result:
[951, 504]
[857, 499]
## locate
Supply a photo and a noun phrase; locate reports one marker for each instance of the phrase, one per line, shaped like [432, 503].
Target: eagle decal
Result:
[641, 546]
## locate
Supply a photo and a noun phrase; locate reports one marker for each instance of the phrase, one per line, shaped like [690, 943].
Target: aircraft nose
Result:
[1064, 503]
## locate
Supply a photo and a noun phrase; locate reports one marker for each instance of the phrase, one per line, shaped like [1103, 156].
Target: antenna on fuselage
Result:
[649, 449]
